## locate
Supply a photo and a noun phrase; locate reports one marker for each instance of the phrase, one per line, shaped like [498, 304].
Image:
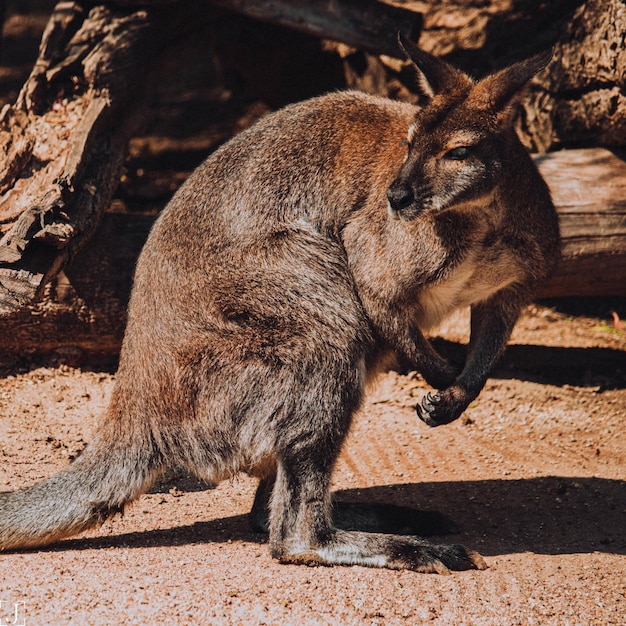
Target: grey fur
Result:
[281, 278]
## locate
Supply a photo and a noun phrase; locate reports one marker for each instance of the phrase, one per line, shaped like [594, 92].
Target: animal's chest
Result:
[474, 280]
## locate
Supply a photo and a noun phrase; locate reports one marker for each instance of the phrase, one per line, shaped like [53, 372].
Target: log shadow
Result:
[604, 368]
[554, 515]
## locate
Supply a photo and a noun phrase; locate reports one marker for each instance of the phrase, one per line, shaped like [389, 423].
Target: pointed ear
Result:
[434, 75]
[501, 92]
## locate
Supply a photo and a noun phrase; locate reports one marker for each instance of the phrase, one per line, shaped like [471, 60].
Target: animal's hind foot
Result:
[437, 558]
[385, 551]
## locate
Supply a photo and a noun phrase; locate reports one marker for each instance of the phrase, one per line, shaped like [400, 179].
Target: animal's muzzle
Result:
[400, 196]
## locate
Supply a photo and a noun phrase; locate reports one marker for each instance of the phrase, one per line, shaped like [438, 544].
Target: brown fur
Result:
[286, 270]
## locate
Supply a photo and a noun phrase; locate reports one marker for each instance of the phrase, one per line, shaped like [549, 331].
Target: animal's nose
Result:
[400, 197]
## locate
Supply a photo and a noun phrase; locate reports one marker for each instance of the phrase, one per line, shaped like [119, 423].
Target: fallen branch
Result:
[366, 24]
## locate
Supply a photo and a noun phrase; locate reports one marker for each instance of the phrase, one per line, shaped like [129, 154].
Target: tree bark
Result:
[64, 141]
[579, 100]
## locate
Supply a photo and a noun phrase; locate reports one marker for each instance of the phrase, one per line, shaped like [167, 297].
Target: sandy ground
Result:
[533, 473]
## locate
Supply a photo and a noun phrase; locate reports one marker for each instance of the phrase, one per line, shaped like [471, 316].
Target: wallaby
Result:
[281, 278]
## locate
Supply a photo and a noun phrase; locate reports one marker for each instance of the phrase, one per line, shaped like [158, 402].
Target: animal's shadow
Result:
[548, 515]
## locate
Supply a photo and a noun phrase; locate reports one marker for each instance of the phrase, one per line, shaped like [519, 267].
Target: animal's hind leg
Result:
[259, 515]
[301, 529]
[300, 522]
[366, 516]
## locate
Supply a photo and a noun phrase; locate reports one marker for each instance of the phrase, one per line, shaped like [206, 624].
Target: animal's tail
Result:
[111, 472]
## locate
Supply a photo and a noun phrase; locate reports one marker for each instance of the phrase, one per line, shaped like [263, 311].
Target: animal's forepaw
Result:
[438, 408]
[426, 410]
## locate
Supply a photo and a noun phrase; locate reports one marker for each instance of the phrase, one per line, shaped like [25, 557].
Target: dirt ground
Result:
[533, 472]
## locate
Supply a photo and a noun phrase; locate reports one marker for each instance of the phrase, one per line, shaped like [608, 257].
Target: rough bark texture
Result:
[65, 139]
[483, 35]
[83, 309]
[580, 99]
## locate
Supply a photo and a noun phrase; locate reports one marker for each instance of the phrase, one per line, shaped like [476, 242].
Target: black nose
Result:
[400, 197]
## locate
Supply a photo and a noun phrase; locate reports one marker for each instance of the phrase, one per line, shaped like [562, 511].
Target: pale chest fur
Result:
[473, 281]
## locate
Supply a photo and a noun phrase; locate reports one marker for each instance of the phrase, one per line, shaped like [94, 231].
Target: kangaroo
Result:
[285, 273]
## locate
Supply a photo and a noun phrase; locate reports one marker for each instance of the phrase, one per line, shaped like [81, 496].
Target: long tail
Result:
[108, 475]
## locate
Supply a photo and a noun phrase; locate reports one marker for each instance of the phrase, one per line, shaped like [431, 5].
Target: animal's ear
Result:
[501, 92]
[435, 76]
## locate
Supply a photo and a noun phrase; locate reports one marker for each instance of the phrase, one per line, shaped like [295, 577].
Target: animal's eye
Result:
[458, 154]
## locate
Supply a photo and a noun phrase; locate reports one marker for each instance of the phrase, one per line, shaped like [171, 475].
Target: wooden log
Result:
[589, 190]
[84, 308]
[579, 99]
[366, 24]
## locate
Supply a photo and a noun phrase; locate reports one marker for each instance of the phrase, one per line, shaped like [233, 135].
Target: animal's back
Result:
[244, 276]
[312, 162]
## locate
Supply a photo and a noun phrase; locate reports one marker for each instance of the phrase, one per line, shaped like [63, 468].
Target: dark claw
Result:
[427, 408]
[434, 400]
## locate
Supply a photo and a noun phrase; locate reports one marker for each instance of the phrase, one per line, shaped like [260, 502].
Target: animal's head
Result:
[456, 145]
